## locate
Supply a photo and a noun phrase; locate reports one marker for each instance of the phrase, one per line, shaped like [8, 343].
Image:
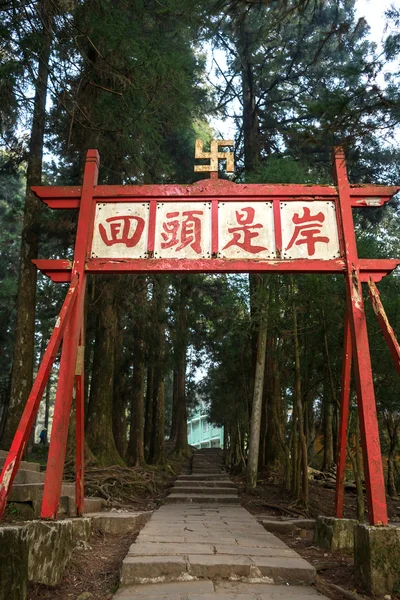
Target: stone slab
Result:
[335, 534]
[13, 564]
[377, 559]
[167, 589]
[247, 551]
[24, 464]
[219, 566]
[169, 549]
[144, 569]
[187, 490]
[50, 545]
[272, 592]
[119, 523]
[176, 498]
[29, 476]
[291, 570]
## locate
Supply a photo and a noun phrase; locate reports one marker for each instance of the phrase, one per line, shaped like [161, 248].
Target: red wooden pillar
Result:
[62, 408]
[372, 457]
[80, 427]
[344, 417]
[14, 457]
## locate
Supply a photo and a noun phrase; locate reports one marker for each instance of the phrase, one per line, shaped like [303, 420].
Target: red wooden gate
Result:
[211, 226]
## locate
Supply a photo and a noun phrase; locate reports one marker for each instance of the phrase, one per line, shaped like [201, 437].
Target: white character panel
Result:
[246, 230]
[183, 230]
[309, 230]
[120, 230]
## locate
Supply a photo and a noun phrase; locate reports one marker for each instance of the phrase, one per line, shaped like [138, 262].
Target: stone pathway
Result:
[202, 544]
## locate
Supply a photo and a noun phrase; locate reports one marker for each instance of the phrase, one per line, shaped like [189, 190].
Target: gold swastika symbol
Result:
[214, 156]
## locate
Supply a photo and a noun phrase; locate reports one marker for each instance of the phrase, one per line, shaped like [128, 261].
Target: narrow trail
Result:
[202, 544]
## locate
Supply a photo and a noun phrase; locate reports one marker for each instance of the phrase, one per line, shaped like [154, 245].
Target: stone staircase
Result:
[201, 544]
[207, 483]
[27, 491]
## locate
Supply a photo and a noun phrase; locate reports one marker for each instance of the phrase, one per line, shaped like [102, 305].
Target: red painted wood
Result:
[383, 321]
[24, 429]
[362, 361]
[62, 408]
[344, 418]
[226, 191]
[80, 428]
[278, 227]
[214, 228]
[60, 270]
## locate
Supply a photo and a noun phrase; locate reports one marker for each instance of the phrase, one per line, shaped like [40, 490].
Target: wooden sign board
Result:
[246, 230]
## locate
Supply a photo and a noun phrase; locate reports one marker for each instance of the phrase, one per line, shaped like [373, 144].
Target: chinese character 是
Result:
[184, 231]
[244, 233]
[122, 230]
[307, 229]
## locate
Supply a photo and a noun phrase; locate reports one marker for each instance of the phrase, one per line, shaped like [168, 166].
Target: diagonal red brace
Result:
[22, 434]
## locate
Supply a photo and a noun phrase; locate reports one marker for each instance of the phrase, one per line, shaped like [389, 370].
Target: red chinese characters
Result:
[307, 230]
[182, 229]
[243, 234]
[125, 230]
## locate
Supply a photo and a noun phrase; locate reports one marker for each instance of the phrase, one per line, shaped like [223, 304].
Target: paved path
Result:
[201, 546]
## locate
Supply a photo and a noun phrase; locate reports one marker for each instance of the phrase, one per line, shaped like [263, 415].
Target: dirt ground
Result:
[94, 569]
[270, 498]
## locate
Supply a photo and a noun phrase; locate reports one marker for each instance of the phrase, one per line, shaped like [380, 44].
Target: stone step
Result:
[24, 476]
[282, 570]
[25, 465]
[225, 483]
[205, 471]
[207, 590]
[202, 490]
[179, 498]
[203, 477]
[32, 492]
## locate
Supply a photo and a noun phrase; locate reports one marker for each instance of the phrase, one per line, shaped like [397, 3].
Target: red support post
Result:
[80, 427]
[344, 418]
[22, 434]
[62, 408]
[383, 321]
[372, 457]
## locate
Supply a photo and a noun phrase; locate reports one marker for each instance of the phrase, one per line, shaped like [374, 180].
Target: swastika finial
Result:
[214, 156]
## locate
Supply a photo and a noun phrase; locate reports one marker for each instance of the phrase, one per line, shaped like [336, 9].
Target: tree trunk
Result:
[181, 444]
[23, 356]
[135, 452]
[173, 432]
[157, 447]
[328, 460]
[392, 427]
[356, 466]
[119, 393]
[99, 428]
[274, 412]
[251, 139]
[148, 423]
[254, 440]
[299, 407]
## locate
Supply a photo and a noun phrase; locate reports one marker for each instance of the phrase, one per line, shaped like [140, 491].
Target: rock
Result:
[13, 564]
[85, 596]
[335, 534]
[377, 558]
